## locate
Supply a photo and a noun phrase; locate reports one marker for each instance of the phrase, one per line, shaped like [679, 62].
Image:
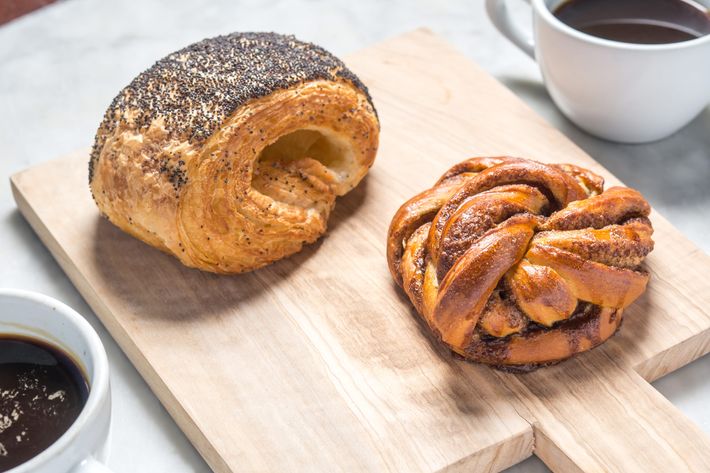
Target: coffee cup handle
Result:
[91, 465]
[498, 13]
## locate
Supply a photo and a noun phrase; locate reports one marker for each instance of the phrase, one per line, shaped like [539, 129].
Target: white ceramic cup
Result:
[630, 93]
[84, 446]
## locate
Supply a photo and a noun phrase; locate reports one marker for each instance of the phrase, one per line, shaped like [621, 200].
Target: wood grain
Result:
[318, 362]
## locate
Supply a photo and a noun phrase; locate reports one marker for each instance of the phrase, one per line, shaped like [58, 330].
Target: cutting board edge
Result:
[671, 359]
[499, 456]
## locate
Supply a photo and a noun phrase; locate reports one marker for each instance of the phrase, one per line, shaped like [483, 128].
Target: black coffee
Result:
[42, 392]
[637, 21]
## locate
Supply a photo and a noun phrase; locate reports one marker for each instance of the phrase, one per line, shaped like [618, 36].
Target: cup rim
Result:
[99, 376]
[553, 21]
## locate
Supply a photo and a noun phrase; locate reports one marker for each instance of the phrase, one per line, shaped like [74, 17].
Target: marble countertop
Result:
[61, 66]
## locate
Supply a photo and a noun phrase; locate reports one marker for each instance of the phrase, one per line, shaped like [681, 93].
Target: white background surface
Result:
[61, 66]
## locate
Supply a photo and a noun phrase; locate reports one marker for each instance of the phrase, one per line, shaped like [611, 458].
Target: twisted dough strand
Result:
[516, 263]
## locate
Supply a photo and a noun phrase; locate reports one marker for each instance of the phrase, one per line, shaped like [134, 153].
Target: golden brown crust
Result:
[234, 178]
[516, 263]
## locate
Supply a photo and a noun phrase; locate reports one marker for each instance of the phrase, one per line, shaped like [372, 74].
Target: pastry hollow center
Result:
[313, 144]
[303, 168]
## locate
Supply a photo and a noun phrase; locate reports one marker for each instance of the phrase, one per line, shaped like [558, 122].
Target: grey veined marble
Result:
[61, 66]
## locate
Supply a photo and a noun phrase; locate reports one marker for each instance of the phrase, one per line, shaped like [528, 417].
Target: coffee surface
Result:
[637, 21]
[42, 392]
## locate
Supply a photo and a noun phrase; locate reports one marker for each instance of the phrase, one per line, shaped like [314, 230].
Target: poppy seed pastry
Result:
[518, 264]
[229, 153]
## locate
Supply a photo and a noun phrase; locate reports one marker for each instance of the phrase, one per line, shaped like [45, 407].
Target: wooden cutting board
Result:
[318, 363]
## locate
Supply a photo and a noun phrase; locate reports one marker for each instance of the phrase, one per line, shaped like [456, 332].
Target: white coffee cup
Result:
[83, 448]
[631, 93]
